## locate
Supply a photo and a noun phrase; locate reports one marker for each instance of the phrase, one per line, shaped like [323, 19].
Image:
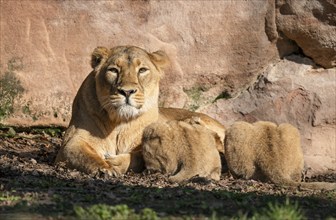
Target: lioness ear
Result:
[98, 55]
[160, 59]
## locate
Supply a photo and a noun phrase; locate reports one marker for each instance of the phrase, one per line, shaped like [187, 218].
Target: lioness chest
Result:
[123, 139]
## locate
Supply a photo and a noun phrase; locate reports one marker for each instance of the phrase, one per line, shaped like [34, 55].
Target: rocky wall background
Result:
[234, 60]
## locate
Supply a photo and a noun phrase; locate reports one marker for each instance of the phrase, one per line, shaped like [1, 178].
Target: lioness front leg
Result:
[78, 154]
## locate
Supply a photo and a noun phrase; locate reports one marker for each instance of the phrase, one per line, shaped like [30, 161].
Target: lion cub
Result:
[267, 152]
[182, 149]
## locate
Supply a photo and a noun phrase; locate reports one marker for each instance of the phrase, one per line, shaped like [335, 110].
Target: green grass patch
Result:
[223, 95]
[51, 131]
[102, 212]
[276, 211]
[7, 197]
[10, 88]
[196, 96]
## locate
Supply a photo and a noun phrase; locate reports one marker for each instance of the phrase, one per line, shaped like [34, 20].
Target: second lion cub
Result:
[267, 152]
[264, 151]
[182, 149]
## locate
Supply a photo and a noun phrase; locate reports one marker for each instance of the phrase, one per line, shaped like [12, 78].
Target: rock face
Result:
[226, 60]
[50, 44]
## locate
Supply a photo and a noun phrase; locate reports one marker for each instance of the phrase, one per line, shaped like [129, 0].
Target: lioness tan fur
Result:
[182, 149]
[267, 152]
[117, 100]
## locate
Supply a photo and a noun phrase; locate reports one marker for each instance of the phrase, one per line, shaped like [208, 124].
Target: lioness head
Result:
[127, 79]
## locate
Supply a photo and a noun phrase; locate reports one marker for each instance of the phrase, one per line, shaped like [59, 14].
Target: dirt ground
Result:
[31, 185]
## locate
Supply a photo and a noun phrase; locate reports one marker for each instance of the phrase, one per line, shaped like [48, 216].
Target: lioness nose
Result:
[127, 93]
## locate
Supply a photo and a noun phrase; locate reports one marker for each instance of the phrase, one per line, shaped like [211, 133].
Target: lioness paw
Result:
[118, 164]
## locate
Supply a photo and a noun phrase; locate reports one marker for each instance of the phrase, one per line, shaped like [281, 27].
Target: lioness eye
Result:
[113, 70]
[142, 70]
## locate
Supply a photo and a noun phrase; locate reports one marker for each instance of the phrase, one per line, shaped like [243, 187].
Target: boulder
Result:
[312, 26]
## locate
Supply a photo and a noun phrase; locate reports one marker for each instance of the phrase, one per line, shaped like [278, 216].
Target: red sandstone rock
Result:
[220, 46]
[312, 25]
[219, 50]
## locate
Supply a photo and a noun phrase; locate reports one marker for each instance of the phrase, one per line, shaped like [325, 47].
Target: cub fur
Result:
[116, 101]
[267, 152]
[182, 149]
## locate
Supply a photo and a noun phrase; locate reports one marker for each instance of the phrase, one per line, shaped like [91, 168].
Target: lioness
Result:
[182, 149]
[267, 152]
[117, 100]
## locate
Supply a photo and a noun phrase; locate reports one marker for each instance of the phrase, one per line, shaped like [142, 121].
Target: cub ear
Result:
[160, 59]
[219, 143]
[147, 133]
[98, 55]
